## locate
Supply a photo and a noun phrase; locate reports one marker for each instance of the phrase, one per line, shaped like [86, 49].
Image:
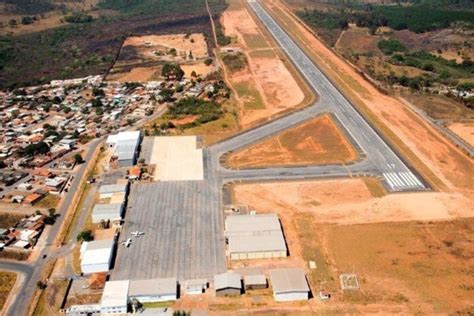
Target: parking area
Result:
[183, 228]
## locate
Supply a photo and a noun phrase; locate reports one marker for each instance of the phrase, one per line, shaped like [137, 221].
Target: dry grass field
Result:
[409, 267]
[318, 141]
[141, 57]
[7, 220]
[7, 281]
[267, 86]
[464, 130]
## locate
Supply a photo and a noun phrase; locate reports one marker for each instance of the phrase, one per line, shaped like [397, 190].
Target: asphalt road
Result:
[379, 158]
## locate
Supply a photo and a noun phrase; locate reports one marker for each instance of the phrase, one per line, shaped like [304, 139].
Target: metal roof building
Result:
[289, 285]
[106, 212]
[126, 145]
[114, 298]
[108, 190]
[228, 284]
[255, 281]
[254, 237]
[154, 290]
[96, 256]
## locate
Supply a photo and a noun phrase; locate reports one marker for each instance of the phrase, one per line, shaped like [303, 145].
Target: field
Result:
[141, 57]
[7, 220]
[83, 49]
[441, 107]
[335, 224]
[7, 281]
[267, 85]
[318, 141]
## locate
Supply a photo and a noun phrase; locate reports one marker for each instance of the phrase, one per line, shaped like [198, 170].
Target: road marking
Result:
[407, 179]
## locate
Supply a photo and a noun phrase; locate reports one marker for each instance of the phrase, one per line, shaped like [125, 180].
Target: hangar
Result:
[154, 290]
[289, 285]
[125, 146]
[254, 237]
[107, 212]
[96, 256]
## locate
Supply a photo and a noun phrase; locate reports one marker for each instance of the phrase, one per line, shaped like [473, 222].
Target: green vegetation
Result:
[85, 235]
[420, 17]
[206, 111]
[172, 71]
[147, 7]
[390, 46]
[29, 6]
[78, 17]
[35, 149]
[234, 62]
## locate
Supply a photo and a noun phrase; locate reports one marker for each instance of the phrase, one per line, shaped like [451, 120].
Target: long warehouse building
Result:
[254, 237]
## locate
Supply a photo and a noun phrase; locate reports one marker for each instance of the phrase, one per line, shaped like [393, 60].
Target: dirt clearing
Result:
[318, 141]
[405, 271]
[266, 87]
[141, 57]
[351, 201]
[464, 130]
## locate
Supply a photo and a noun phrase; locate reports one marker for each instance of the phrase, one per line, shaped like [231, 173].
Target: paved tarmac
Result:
[183, 220]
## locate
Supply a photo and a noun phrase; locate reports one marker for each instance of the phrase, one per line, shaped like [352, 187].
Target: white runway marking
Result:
[402, 180]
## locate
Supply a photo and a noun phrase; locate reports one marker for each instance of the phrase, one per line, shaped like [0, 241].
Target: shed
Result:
[107, 212]
[96, 256]
[108, 190]
[289, 285]
[196, 286]
[114, 298]
[228, 284]
[255, 281]
[125, 147]
[154, 290]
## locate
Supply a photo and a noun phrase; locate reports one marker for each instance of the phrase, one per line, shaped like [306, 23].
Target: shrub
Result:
[390, 46]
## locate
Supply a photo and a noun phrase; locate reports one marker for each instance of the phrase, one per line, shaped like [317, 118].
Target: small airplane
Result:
[137, 233]
[127, 243]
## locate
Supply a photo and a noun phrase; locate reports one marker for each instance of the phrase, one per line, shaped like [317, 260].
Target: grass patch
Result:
[206, 111]
[255, 41]
[7, 281]
[375, 187]
[251, 97]
[8, 220]
[14, 255]
[310, 243]
[234, 62]
[166, 304]
[263, 53]
[49, 201]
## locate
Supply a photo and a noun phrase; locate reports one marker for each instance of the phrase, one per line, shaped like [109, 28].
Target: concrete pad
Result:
[177, 158]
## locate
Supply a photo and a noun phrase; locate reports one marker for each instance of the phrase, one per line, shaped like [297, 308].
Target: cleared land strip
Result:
[380, 157]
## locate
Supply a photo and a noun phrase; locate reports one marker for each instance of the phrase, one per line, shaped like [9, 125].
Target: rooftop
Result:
[288, 280]
[153, 287]
[227, 280]
[115, 294]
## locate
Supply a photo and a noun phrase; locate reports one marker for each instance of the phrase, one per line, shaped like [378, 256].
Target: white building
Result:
[96, 256]
[289, 285]
[114, 298]
[154, 290]
[108, 190]
[125, 146]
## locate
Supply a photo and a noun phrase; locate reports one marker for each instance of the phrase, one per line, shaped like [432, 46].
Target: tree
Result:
[208, 61]
[85, 235]
[190, 55]
[193, 74]
[41, 285]
[170, 71]
[78, 158]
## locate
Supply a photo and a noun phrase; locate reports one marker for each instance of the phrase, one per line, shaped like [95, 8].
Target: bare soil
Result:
[350, 201]
[318, 141]
[141, 57]
[464, 130]
[274, 89]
